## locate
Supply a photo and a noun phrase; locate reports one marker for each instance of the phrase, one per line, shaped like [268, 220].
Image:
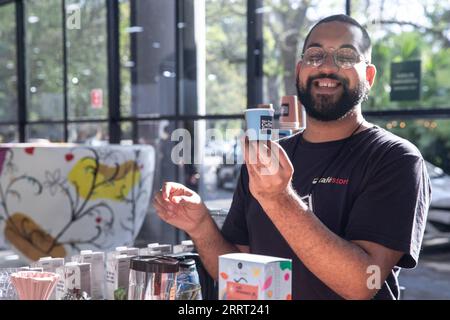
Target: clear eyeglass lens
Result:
[314, 57]
[344, 58]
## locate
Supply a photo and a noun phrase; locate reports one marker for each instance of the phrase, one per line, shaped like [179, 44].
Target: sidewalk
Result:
[430, 280]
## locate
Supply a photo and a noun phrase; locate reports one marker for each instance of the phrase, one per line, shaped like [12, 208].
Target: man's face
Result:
[328, 92]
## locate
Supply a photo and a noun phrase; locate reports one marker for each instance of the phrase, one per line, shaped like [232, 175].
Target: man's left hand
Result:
[269, 168]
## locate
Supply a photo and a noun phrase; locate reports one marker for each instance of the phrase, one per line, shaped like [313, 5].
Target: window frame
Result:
[255, 63]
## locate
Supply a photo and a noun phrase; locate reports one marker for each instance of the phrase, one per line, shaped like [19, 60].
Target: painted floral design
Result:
[97, 179]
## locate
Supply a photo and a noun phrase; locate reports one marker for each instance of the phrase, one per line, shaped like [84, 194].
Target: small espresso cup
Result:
[259, 123]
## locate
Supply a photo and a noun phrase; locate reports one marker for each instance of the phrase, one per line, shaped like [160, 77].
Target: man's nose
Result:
[328, 63]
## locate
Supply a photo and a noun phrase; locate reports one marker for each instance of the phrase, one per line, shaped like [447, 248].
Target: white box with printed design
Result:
[244, 276]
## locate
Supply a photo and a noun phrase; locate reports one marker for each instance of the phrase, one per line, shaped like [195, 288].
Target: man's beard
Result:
[323, 108]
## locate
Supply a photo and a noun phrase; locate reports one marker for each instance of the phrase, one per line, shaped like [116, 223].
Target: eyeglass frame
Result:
[361, 57]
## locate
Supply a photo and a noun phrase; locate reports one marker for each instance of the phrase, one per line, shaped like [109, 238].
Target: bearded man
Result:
[348, 201]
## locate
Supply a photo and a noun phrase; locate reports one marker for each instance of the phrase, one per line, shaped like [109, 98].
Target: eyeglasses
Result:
[344, 58]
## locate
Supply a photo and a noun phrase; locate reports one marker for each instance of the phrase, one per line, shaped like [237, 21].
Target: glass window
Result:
[210, 157]
[8, 63]
[226, 56]
[87, 77]
[126, 63]
[45, 132]
[405, 30]
[220, 160]
[95, 134]
[148, 59]
[286, 24]
[8, 134]
[127, 128]
[44, 59]
[158, 134]
[205, 157]
[429, 135]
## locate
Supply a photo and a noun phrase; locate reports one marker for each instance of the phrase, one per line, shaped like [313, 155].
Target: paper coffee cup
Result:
[259, 123]
[292, 113]
[289, 109]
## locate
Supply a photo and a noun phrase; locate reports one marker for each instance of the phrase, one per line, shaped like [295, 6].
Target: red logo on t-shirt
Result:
[331, 180]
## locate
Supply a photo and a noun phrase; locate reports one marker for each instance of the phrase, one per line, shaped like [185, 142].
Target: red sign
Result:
[97, 98]
[239, 291]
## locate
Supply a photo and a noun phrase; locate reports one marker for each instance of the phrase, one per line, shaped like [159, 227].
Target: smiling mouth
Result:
[326, 84]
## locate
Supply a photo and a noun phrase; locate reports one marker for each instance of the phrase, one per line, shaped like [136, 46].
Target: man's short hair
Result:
[366, 45]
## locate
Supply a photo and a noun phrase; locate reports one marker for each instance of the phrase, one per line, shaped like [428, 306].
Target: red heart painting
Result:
[69, 157]
[29, 150]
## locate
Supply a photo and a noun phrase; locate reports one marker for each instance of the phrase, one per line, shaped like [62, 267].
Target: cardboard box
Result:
[117, 276]
[97, 261]
[74, 277]
[244, 276]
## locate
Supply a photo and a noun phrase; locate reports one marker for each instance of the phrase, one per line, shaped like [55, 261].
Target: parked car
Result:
[437, 231]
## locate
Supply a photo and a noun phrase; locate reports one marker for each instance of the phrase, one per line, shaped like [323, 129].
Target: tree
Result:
[226, 56]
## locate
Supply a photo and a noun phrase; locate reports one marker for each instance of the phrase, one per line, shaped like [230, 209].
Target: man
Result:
[348, 201]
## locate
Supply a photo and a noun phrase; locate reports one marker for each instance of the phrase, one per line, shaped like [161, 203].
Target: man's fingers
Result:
[171, 189]
[180, 199]
[265, 158]
[166, 206]
[281, 155]
[160, 208]
[251, 152]
[251, 158]
[162, 212]
[165, 190]
[265, 154]
[159, 199]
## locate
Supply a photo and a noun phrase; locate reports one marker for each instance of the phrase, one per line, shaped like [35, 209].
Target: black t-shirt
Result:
[371, 186]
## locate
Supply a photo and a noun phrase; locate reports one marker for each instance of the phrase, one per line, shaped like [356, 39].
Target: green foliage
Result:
[226, 56]
[87, 57]
[431, 46]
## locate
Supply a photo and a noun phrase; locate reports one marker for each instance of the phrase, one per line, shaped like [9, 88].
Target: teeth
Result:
[327, 84]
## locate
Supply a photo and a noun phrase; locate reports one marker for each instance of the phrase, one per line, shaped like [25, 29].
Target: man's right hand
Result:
[180, 207]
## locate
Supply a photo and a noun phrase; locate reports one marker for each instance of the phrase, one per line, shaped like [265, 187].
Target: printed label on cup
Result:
[284, 110]
[266, 124]
[259, 124]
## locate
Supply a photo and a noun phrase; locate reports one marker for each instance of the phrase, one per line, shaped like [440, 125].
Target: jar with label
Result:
[153, 278]
[188, 281]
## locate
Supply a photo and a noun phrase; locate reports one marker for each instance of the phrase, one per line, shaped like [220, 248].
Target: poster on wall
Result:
[405, 81]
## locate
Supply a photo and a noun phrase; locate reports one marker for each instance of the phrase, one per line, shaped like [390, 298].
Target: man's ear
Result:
[371, 72]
